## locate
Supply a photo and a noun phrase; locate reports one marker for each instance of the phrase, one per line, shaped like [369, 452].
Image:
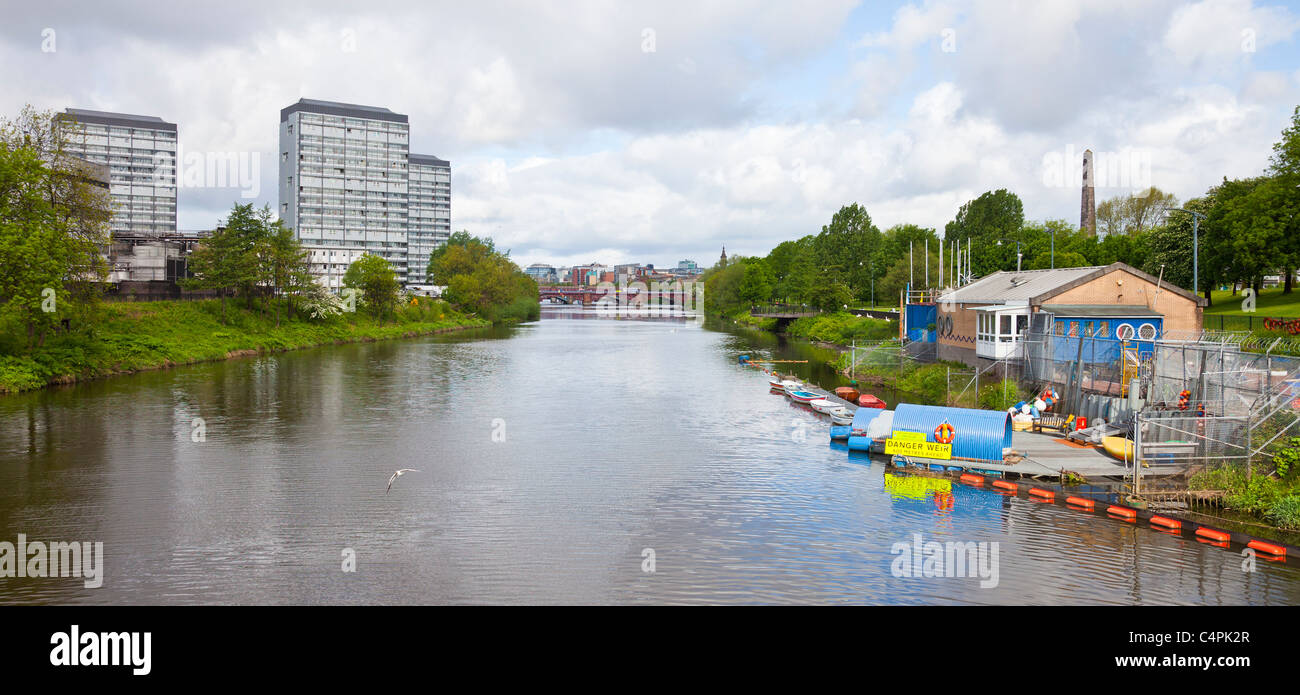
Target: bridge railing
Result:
[778, 308]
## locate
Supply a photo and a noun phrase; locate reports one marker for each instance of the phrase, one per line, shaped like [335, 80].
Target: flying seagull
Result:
[394, 476]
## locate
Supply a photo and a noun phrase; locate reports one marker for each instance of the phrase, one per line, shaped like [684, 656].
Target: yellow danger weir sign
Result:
[924, 449]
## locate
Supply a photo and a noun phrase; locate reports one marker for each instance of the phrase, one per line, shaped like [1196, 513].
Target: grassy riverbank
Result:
[131, 337]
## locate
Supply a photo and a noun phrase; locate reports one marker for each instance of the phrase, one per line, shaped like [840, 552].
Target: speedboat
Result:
[805, 397]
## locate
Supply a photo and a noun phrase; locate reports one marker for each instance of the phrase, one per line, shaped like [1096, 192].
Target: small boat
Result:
[867, 400]
[791, 385]
[1119, 447]
[824, 406]
[839, 419]
[774, 382]
[848, 393]
[840, 432]
[804, 397]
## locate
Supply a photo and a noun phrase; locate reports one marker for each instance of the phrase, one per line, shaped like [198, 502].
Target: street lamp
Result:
[1017, 253]
[1196, 260]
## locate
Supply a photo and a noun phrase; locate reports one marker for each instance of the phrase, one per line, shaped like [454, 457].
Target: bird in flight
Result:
[395, 475]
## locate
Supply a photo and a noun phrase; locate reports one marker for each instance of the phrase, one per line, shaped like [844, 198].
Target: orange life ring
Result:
[944, 433]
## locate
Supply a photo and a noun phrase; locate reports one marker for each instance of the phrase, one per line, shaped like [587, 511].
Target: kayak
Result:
[1119, 447]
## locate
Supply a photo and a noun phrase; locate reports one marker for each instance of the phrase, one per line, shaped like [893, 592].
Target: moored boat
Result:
[848, 393]
[823, 406]
[805, 397]
[789, 385]
[845, 418]
[867, 400]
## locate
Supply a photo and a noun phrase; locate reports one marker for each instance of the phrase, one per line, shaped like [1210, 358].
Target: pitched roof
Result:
[1004, 286]
[1037, 286]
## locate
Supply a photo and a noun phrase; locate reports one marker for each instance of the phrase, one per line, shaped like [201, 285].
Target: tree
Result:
[229, 259]
[993, 215]
[53, 225]
[482, 279]
[847, 245]
[376, 281]
[285, 266]
[756, 283]
[1134, 214]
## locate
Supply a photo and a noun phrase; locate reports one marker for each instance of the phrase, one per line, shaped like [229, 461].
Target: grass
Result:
[130, 337]
[1270, 302]
[842, 328]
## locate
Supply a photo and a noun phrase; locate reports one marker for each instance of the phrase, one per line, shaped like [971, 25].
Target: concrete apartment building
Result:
[343, 183]
[349, 186]
[140, 154]
[428, 213]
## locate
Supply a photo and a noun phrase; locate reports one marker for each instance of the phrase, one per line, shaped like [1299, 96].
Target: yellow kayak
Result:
[1119, 447]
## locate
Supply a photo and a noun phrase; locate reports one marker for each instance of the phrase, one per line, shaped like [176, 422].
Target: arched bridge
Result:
[611, 295]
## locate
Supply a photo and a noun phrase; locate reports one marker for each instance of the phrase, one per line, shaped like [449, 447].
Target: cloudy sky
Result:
[658, 131]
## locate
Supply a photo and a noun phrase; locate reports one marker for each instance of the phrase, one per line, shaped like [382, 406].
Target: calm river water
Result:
[556, 459]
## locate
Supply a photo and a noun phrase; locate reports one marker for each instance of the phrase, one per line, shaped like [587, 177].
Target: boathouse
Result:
[988, 319]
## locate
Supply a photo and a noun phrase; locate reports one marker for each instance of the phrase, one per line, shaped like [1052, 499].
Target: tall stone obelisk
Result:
[1088, 205]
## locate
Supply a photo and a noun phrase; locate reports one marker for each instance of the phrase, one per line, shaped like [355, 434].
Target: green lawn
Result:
[131, 336]
[1271, 302]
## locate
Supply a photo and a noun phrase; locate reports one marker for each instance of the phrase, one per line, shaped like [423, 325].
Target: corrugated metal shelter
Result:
[982, 435]
[868, 424]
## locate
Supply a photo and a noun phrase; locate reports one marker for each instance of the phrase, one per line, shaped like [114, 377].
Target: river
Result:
[569, 460]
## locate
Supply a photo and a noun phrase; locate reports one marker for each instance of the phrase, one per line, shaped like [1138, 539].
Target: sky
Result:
[655, 132]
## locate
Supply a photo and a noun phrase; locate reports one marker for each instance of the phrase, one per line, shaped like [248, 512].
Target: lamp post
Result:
[1196, 255]
[1017, 252]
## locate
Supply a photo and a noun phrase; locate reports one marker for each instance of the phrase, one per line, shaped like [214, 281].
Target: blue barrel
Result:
[861, 420]
[977, 434]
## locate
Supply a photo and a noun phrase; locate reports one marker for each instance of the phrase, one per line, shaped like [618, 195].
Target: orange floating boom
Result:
[1045, 494]
[1271, 548]
[1080, 501]
[972, 479]
[1215, 534]
[1122, 511]
[1004, 485]
[1166, 522]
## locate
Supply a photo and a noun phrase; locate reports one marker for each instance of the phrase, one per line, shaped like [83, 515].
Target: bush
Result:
[1285, 513]
[1000, 395]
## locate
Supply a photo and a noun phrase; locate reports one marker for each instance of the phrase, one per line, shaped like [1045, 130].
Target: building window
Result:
[1147, 332]
[1124, 331]
[1058, 329]
[1088, 329]
[1103, 329]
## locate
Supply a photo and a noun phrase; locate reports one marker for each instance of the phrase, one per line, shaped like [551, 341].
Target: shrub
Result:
[1285, 513]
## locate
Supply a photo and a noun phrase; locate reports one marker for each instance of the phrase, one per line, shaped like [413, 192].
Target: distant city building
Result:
[542, 273]
[140, 154]
[689, 266]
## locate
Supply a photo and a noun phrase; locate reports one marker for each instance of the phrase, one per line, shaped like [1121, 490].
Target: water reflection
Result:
[619, 436]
